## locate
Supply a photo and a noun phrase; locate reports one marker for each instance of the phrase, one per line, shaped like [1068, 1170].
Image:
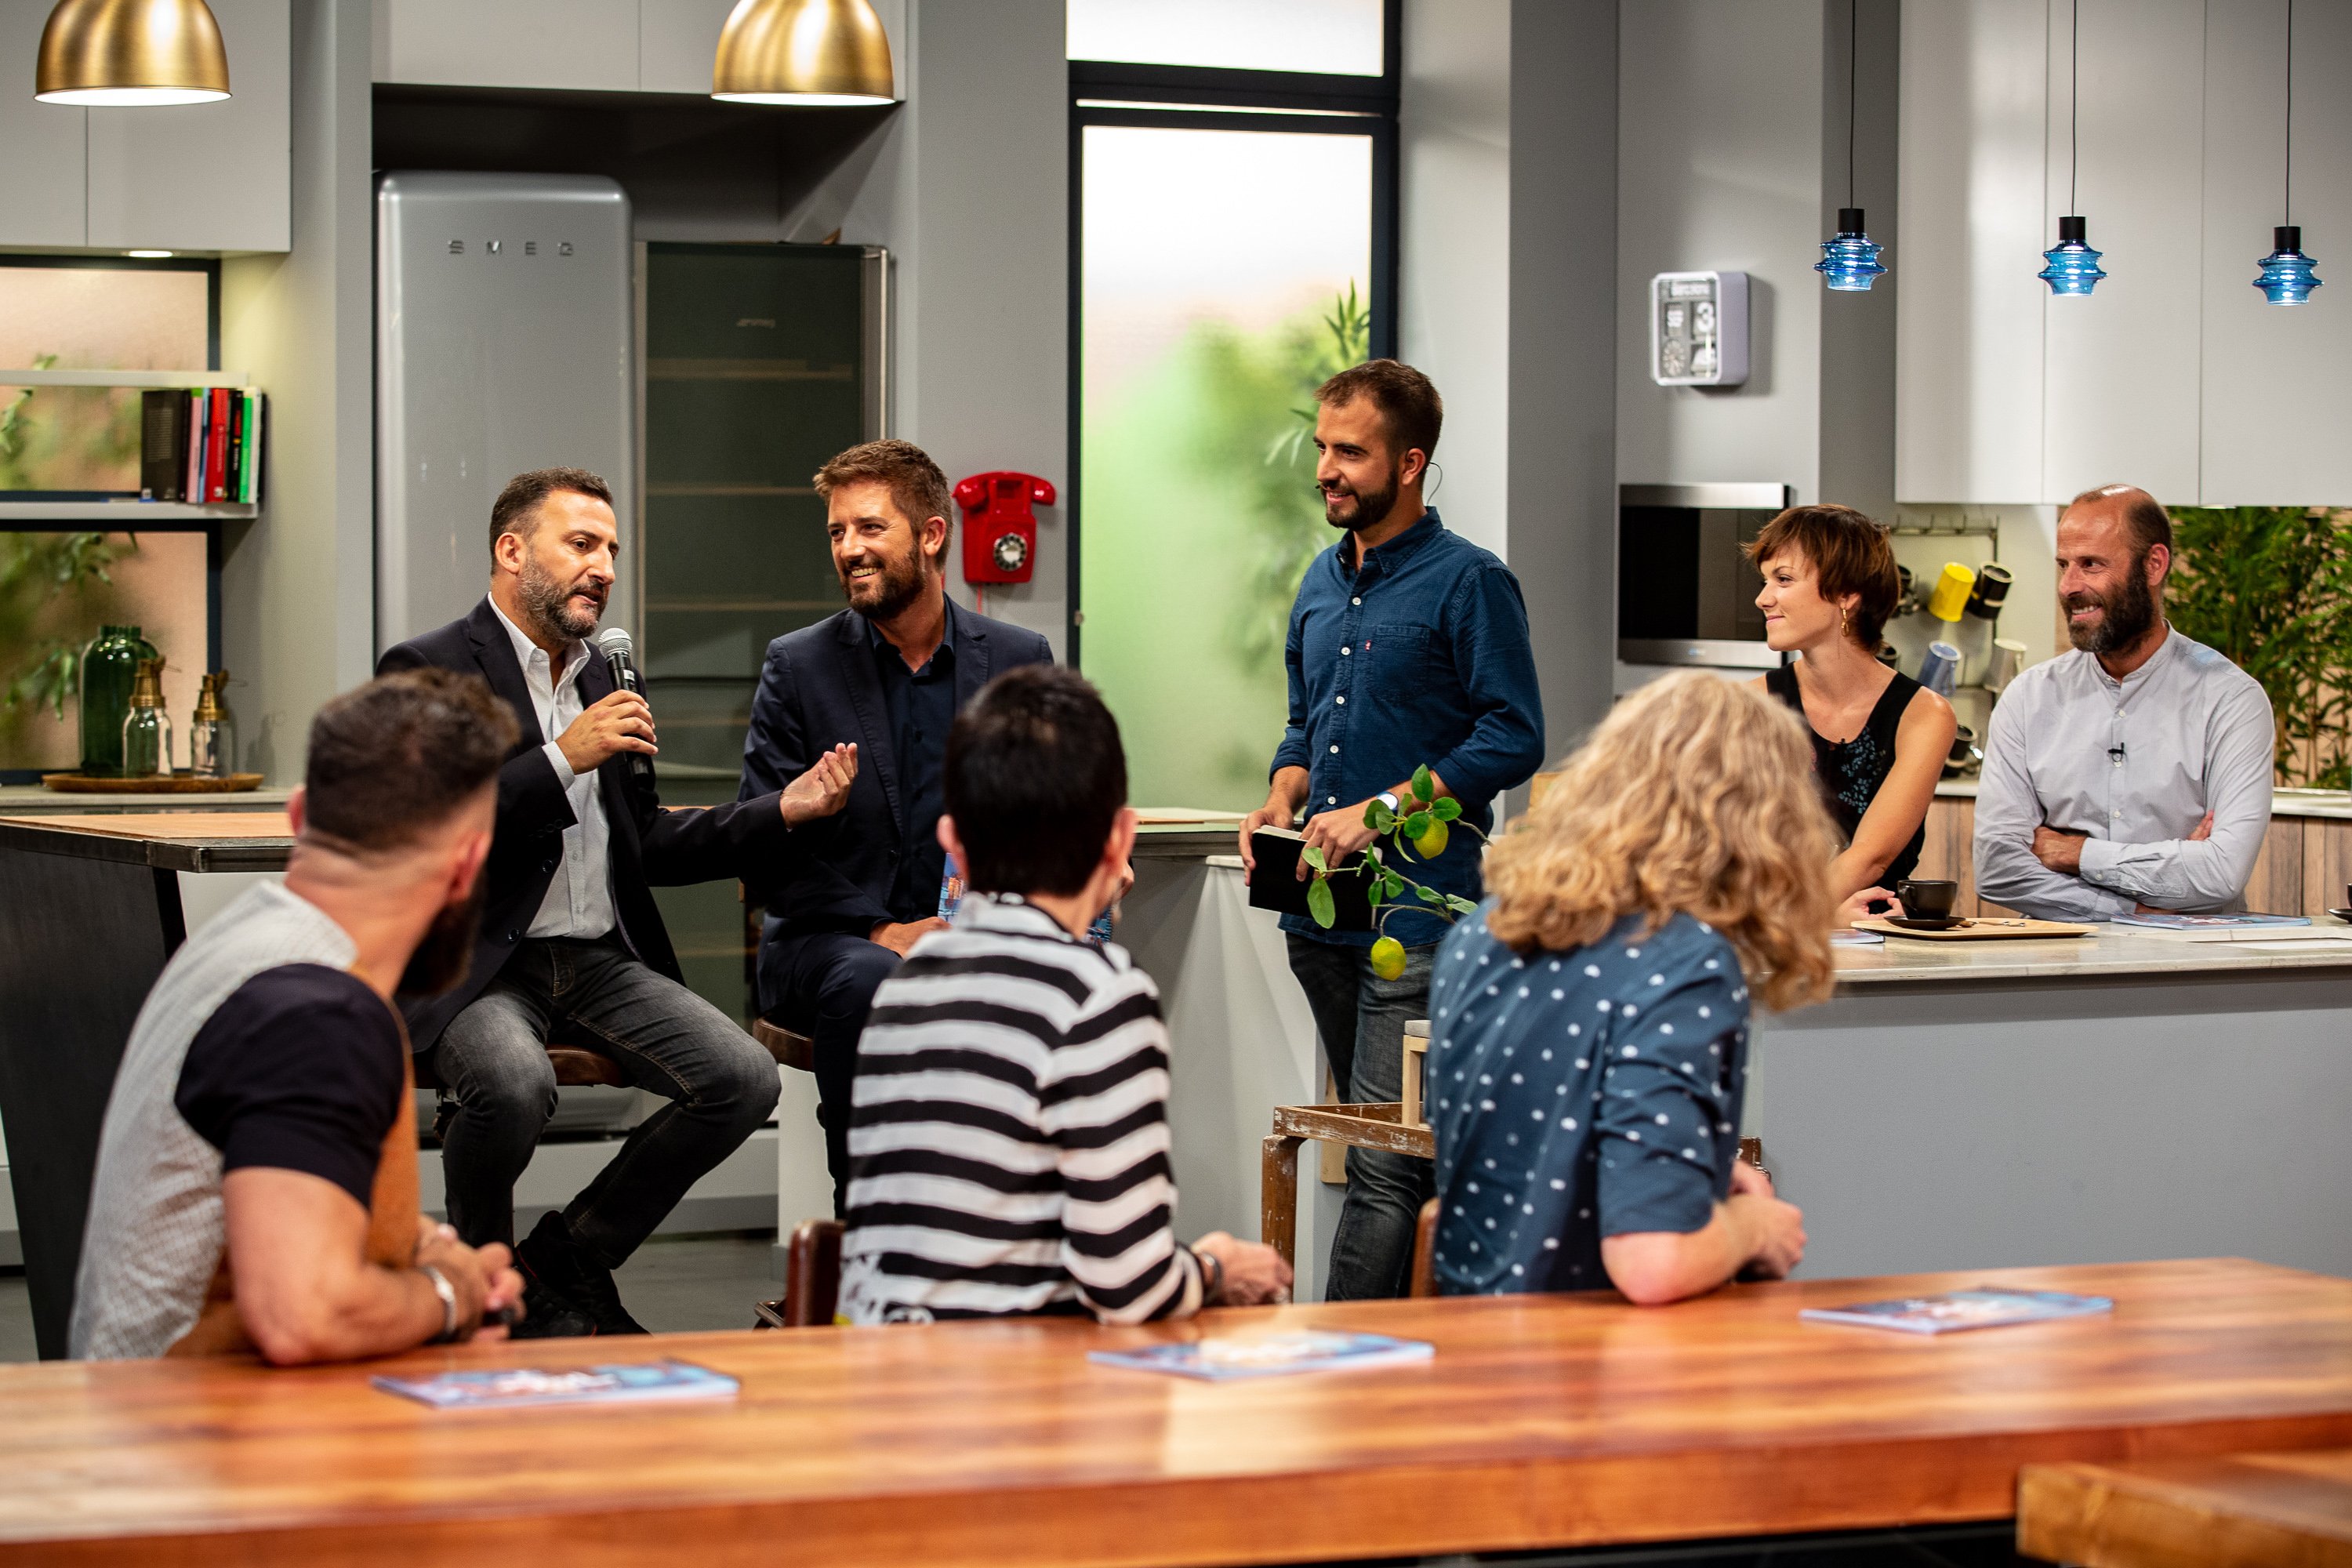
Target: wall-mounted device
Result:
[999, 531]
[1698, 329]
[1685, 595]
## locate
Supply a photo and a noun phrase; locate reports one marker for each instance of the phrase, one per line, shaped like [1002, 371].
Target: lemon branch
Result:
[1419, 829]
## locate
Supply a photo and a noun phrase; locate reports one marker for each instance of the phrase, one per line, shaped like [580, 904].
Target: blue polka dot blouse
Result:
[1577, 1095]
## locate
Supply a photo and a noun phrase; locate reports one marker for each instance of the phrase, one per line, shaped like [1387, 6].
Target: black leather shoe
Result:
[551, 1260]
[548, 1316]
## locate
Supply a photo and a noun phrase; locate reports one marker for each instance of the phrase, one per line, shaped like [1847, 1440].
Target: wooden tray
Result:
[153, 783]
[1983, 928]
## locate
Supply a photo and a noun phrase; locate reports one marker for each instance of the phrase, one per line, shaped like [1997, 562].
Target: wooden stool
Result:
[574, 1069]
[790, 1050]
[812, 1278]
[1416, 1059]
[1376, 1125]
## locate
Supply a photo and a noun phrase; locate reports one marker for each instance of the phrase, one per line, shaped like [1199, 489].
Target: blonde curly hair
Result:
[1696, 794]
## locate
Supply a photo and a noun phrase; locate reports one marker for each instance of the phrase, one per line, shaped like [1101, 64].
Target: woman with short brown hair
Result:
[1880, 739]
[1589, 1025]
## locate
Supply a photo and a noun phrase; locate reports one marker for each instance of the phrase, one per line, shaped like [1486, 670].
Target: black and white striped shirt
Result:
[1009, 1146]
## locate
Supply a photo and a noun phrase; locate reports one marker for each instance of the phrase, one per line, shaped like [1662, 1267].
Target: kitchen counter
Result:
[2335, 804]
[2111, 952]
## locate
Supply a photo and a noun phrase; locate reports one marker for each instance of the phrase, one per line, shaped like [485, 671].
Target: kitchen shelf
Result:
[155, 378]
[125, 516]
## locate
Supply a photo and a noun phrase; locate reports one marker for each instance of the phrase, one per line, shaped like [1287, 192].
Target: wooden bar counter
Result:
[1541, 1422]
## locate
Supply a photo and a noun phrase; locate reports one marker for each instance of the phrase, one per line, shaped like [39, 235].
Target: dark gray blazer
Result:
[818, 688]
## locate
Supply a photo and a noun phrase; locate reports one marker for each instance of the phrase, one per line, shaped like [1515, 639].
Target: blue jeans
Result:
[721, 1086]
[1361, 1020]
[821, 985]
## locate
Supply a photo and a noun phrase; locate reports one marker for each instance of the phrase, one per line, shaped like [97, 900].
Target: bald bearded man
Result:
[2133, 773]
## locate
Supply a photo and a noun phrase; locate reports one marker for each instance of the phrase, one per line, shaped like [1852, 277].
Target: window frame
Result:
[1124, 93]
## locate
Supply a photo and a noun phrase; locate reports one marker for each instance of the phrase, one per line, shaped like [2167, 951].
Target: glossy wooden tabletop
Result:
[2234, 1511]
[1542, 1421]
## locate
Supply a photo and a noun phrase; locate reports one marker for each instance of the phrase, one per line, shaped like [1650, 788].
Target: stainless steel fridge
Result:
[505, 341]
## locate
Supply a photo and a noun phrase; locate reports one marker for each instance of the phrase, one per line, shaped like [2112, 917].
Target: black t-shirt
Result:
[299, 1070]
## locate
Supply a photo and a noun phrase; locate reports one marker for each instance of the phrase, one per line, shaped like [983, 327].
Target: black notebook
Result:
[1274, 884]
[162, 444]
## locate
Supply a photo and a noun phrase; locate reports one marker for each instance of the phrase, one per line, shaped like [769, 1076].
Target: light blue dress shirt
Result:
[2135, 764]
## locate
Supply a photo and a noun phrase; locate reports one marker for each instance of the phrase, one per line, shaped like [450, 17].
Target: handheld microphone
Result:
[613, 642]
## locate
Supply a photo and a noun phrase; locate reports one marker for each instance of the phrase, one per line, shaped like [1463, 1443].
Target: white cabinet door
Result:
[206, 176]
[41, 144]
[586, 45]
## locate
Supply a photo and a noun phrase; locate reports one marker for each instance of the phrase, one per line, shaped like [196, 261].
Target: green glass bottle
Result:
[109, 665]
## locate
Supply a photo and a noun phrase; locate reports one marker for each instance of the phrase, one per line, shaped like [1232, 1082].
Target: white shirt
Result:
[2135, 764]
[578, 901]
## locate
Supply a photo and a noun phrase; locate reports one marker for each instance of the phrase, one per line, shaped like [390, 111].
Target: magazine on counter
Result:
[522, 1388]
[2225, 928]
[1988, 1308]
[1225, 1359]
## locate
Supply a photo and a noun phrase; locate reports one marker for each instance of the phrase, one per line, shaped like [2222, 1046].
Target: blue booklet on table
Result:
[1990, 1308]
[1224, 1360]
[522, 1388]
[2219, 928]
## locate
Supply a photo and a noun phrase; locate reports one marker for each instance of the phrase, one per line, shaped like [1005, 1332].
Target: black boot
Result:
[578, 1288]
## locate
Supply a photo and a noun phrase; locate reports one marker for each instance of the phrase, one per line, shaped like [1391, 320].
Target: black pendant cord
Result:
[1854, 78]
[2074, 110]
[2286, 196]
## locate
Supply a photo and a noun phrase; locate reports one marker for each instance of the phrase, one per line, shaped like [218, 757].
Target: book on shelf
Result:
[202, 446]
[2227, 928]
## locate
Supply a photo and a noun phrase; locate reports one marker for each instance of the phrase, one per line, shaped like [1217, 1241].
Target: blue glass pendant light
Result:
[2070, 266]
[2286, 276]
[1850, 262]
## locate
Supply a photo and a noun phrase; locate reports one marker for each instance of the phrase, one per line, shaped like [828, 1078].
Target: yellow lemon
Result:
[1430, 844]
[1388, 958]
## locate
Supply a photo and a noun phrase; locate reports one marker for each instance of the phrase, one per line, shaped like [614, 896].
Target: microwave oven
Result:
[1685, 595]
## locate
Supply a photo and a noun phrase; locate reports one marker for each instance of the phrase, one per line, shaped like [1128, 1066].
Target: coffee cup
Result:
[1928, 899]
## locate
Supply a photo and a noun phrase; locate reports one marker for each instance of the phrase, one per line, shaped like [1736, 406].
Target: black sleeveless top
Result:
[1850, 772]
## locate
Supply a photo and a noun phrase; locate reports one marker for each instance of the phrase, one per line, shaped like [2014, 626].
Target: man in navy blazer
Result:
[570, 946]
[887, 675]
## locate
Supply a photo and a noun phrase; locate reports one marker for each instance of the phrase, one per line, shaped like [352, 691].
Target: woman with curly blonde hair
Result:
[1589, 1030]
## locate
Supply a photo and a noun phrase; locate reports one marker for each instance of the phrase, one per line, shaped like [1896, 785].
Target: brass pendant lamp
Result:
[814, 53]
[129, 53]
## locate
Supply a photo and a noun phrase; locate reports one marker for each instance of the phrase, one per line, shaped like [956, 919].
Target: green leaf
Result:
[1318, 903]
[1425, 784]
[1392, 886]
[1446, 810]
[1417, 824]
[1378, 817]
[1313, 856]
[1430, 895]
[1460, 906]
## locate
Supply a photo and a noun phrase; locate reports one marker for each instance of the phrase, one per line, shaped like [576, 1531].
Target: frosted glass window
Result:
[1223, 277]
[1331, 37]
[86, 440]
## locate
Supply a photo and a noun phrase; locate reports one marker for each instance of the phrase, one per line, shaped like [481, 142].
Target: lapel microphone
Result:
[614, 642]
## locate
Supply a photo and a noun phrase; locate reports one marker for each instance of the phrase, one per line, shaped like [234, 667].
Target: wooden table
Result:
[94, 911]
[1372, 1124]
[1541, 1422]
[2254, 1509]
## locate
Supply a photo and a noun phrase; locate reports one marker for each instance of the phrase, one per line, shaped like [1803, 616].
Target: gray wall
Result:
[1509, 168]
[298, 585]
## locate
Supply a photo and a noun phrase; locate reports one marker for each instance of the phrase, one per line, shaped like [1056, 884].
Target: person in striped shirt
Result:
[1009, 1143]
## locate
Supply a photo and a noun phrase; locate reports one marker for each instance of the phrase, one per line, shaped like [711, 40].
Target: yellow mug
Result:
[1951, 594]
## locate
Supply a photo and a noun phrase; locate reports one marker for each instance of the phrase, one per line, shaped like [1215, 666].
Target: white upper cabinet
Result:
[203, 176]
[678, 41]
[2175, 374]
[206, 176]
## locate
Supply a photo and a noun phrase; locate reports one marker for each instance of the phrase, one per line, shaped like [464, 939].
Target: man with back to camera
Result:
[1408, 647]
[571, 946]
[2133, 774]
[256, 1173]
[887, 676]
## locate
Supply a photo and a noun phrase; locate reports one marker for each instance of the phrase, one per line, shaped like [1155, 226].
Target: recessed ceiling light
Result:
[148, 254]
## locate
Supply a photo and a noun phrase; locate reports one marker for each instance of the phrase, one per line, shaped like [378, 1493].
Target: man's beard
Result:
[898, 585]
[548, 604]
[1372, 507]
[2128, 612]
[443, 956]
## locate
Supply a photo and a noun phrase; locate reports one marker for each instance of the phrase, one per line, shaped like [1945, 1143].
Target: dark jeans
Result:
[1361, 1020]
[721, 1084]
[821, 986]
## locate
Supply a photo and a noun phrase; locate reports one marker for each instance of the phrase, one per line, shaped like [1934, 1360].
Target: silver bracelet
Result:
[448, 1294]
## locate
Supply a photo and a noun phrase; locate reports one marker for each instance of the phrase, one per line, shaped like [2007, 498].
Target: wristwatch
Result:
[1213, 1277]
[448, 1294]
[1388, 797]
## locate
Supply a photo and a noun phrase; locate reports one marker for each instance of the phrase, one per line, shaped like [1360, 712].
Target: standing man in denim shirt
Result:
[1408, 647]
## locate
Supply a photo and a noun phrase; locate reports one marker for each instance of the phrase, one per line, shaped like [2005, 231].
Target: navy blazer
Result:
[648, 844]
[819, 688]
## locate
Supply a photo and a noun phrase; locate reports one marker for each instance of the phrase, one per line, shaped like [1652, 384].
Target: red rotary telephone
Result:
[999, 532]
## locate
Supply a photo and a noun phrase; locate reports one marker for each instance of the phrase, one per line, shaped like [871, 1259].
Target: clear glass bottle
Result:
[146, 728]
[212, 733]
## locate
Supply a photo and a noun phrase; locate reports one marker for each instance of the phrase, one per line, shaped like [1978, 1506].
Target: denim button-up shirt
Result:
[1421, 657]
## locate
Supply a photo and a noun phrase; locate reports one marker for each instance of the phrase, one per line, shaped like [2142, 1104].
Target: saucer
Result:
[1919, 922]
[2341, 914]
